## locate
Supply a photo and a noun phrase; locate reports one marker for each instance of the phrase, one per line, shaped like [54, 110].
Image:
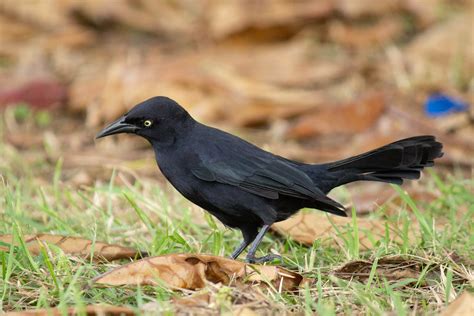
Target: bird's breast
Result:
[176, 171]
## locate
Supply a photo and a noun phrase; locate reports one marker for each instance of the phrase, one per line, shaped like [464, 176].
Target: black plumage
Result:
[248, 188]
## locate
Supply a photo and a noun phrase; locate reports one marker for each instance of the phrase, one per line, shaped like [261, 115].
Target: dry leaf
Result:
[367, 197]
[46, 14]
[216, 298]
[366, 36]
[308, 227]
[38, 93]
[347, 119]
[430, 63]
[217, 91]
[182, 15]
[264, 20]
[183, 20]
[301, 63]
[197, 300]
[245, 311]
[390, 268]
[22, 140]
[188, 271]
[90, 310]
[10, 31]
[75, 246]
[359, 8]
[427, 11]
[462, 305]
[259, 102]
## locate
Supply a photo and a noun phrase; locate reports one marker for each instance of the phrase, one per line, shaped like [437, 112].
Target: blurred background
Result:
[310, 80]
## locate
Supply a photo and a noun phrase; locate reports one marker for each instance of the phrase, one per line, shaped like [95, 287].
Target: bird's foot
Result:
[270, 257]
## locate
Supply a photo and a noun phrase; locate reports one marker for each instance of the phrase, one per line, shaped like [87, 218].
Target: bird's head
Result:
[159, 120]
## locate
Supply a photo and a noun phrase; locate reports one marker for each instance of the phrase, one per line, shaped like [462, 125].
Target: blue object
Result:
[441, 105]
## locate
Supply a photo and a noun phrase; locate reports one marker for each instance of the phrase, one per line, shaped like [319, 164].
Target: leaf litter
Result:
[217, 299]
[463, 305]
[322, 63]
[193, 271]
[407, 271]
[90, 310]
[74, 246]
[307, 227]
[390, 268]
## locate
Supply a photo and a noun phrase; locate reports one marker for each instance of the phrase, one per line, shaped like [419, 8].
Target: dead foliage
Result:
[308, 227]
[307, 71]
[37, 92]
[267, 64]
[417, 270]
[217, 299]
[383, 32]
[245, 21]
[347, 119]
[192, 271]
[463, 305]
[369, 197]
[74, 246]
[90, 310]
[427, 60]
[389, 268]
[328, 79]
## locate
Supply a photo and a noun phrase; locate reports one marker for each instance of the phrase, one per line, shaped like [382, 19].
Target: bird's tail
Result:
[403, 159]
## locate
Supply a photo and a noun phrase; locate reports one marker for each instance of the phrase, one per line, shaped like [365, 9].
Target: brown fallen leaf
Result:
[368, 197]
[262, 102]
[263, 20]
[299, 64]
[10, 31]
[89, 310]
[390, 268]
[355, 9]
[307, 227]
[197, 300]
[190, 271]
[217, 298]
[346, 119]
[38, 93]
[426, 12]
[245, 311]
[381, 32]
[462, 305]
[24, 140]
[428, 62]
[75, 246]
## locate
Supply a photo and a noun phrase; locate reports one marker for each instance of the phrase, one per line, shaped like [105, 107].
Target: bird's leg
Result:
[249, 233]
[239, 249]
[253, 249]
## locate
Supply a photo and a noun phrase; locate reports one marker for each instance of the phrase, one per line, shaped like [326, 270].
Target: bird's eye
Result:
[147, 123]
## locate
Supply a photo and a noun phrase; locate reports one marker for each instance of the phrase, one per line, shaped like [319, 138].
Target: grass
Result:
[153, 217]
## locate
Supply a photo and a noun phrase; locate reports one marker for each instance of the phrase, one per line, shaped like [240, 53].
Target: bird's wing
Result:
[268, 176]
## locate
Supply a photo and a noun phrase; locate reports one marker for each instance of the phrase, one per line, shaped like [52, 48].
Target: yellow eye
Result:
[147, 123]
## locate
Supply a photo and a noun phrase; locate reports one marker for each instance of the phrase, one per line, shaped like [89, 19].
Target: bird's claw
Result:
[263, 259]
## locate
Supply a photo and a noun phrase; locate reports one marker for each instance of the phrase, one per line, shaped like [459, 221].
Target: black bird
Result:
[248, 188]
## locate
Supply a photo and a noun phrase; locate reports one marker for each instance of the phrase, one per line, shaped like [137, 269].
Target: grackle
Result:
[248, 188]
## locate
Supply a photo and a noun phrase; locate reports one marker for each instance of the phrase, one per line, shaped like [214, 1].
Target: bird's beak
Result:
[117, 127]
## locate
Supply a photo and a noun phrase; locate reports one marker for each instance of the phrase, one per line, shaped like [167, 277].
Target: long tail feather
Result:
[392, 163]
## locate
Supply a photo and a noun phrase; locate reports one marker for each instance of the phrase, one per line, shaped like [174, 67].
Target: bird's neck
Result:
[164, 142]
[173, 138]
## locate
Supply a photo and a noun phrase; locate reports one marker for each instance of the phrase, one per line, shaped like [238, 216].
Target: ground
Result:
[314, 81]
[422, 269]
